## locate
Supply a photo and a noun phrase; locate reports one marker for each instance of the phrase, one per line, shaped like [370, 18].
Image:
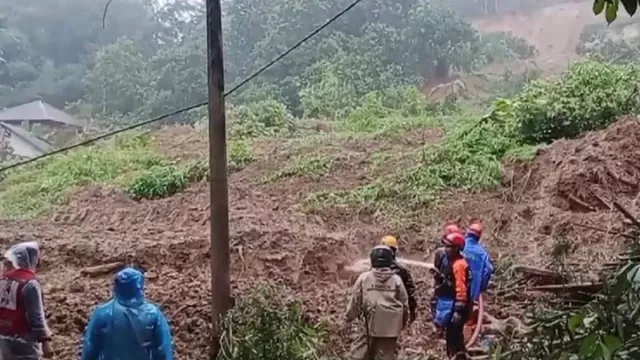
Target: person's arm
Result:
[460, 274]
[410, 286]
[32, 294]
[355, 303]
[92, 342]
[402, 295]
[488, 272]
[163, 346]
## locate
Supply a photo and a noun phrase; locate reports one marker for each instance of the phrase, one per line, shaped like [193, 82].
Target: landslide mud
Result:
[273, 240]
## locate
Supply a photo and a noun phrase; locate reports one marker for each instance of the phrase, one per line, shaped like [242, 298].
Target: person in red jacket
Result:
[24, 333]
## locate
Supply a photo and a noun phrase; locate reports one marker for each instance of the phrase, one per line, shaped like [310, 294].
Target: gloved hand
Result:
[47, 350]
[456, 318]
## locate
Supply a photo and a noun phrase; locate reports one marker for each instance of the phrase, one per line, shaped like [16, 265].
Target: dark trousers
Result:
[455, 339]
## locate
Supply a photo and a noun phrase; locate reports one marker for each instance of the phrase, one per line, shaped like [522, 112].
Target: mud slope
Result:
[553, 30]
[273, 240]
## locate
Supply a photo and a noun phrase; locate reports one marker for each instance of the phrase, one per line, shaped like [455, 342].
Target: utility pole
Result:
[218, 192]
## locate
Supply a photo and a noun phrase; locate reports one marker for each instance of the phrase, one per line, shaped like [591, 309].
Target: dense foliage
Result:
[150, 58]
[266, 325]
[611, 43]
[590, 96]
[605, 329]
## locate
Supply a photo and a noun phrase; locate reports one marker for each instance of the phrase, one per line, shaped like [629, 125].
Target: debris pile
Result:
[568, 188]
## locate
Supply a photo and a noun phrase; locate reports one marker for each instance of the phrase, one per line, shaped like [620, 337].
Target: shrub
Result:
[28, 190]
[239, 155]
[157, 182]
[501, 46]
[395, 108]
[469, 158]
[589, 97]
[605, 328]
[197, 170]
[328, 95]
[267, 326]
[313, 167]
[262, 118]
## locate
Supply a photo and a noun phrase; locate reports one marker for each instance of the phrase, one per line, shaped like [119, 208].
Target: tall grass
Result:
[29, 190]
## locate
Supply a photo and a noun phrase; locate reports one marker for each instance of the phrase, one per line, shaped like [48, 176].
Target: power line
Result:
[190, 107]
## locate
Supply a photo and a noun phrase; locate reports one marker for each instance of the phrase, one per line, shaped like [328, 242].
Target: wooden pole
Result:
[220, 277]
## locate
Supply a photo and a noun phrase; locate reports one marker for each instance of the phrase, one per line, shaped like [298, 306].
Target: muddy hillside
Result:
[571, 183]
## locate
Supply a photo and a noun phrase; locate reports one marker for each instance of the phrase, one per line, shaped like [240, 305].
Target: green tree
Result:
[118, 83]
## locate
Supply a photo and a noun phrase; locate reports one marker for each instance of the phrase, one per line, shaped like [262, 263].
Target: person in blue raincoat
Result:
[479, 261]
[128, 327]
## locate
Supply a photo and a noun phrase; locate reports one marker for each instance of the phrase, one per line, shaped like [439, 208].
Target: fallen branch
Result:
[602, 201]
[102, 269]
[534, 271]
[580, 202]
[590, 288]
[627, 214]
[524, 187]
[595, 228]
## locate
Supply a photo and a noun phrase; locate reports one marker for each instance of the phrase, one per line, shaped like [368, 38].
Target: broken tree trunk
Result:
[627, 214]
[102, 269]
[547, 276]
[590, 288]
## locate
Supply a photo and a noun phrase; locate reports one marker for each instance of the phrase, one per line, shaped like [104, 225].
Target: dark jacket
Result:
[405, 276]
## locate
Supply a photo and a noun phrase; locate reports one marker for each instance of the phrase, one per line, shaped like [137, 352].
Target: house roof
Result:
[37, 110]
[27, 136]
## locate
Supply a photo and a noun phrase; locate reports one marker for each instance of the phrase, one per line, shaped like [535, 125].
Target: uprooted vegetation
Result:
[589, 97]
[393, 153]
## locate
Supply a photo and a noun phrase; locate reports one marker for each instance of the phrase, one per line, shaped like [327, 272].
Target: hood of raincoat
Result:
[383, 274]
[24, 255]
[129, 287]
[473, 238]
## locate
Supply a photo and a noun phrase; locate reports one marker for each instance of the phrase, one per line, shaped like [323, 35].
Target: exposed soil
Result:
[272, 239]
[553, 30]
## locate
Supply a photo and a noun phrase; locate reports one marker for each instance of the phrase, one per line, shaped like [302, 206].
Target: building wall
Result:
[23, 148]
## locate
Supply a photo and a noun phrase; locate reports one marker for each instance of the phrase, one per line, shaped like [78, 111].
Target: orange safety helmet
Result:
[455, 239]
[451, 229]
[476, 228]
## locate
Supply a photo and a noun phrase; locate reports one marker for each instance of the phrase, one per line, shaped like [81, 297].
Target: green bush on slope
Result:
[589, 97]
[30, 189]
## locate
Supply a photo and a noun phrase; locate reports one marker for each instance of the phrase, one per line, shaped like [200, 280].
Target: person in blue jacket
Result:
[128, 327]
[479, 261]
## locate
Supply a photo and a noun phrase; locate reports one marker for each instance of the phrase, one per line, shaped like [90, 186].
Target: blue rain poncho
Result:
[480, 263]
[128, 327]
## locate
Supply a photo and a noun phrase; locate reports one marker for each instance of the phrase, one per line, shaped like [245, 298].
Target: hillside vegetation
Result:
[467, 153]
[327, 150]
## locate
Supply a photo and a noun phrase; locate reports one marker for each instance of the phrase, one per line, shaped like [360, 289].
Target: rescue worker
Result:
[438, 257]
[453, 295]
[478, 259]
[405, 275]
[24, 333]
[440, 253]
[128, 327]
[379, 297]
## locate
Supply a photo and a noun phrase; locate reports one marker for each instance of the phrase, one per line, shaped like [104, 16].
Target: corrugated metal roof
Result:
[38, 111]
[33, 140]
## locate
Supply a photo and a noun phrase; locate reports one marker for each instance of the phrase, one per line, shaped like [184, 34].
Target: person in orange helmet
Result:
[481, 266]
[453, 295]
[478, 258]
[438, 257]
